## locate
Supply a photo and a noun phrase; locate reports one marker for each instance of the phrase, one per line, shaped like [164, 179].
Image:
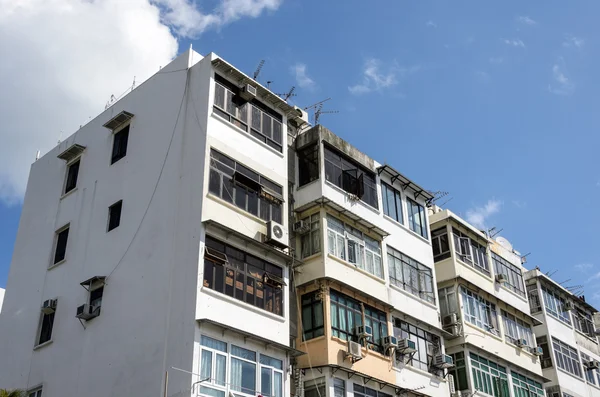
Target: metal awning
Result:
[71, 153]
[368, 378]
[88, 283]
[405, 182]
[118, 120]
[212, 224]
[358, 221]
[247, 335]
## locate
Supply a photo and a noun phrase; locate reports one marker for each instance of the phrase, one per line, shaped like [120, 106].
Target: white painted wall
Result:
[2, 291]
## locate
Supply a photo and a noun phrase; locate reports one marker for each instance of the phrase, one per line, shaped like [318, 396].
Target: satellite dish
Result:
[504, 242]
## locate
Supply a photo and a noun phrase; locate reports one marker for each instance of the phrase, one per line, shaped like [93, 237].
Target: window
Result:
[35, 393]
[417, 221]
[96, 297]
[583, 322]
[114, 215]
[440, 244]
[213, 366]
[566, 358]
[428, 344]
[311, 241]
[512, 273]
[315, 388]
[459, 372]
[312, 316]
[515, 329]
[60, 250]
[352, 245]
[242, 373]
[555, 305]
[308, 165]
[533, 296]
[348, 175]
[254, 117]
[410, 275]
[546, 361]
[470, 251]
[72, 173]
[346, 314]
[479, 311]
[244, 188]
[271, 376]
[242, 276]
[592, 375]
[489, 377]
[339, 387]
[526, 387]
[392, 202]
[46, 325]
[448, 302]
[363, 391]
[120, 144]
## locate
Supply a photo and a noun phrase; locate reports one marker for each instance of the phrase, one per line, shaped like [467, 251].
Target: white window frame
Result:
[273, 370]
[35, 392]
[483, 311]
[211, 382]
[515, 329]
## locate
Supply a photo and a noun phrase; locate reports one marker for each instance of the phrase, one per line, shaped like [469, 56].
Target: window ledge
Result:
[68, 193]
[353, 266]
[570, 374]
[41, 345]
[594, 340]
[523, 350]
[404, 227]
[472, 266]
[339, 189]
[52, 266]
[369, 351]
[420, 371]
[563, 322]
[512, 292]
[486, 332]
[308, 184]
[244, 305]
[238, 129]
[420, 300]
[237, 209]
[311, 257]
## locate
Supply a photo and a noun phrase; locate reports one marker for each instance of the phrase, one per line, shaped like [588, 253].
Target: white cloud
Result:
[595, 276]
[478, 216]
[302, 79]
[431, 24]
[584, 267]
[374, 79]
[514, 42]
[562, 84]
[525, 20]
[496, 60]
[68, 56]
[572, 41]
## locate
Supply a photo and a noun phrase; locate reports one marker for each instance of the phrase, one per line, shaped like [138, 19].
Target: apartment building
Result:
[368, 316]
[567, 331]
[151, 256]
[485, 311]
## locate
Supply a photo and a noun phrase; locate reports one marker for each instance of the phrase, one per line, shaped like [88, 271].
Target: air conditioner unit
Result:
[248, 92]
[521, 342]
[443, 361]
[450, 319]
[453, 330]
[363, 331]
[450, 379]
[276, 235]
[501, 278]
[568, 306]
[87, 312]
[301, 227]
[593, 364]
[406, 346]
[300, 116]
[537, 351]
[49, 306]
[354, 351]
[389, 342]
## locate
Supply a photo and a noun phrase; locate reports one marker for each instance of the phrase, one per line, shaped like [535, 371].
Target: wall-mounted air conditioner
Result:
[276, 235]
[450, 319]
[568, 306]
[363, 331]
[390, 342]
[354, 351]
[49, 306]
[248, 92]
[301, 227]
[87, 312]
[501, 278]
[537, 351]
[406, 346]
[521, 342]
[592, 364]
[443, 361]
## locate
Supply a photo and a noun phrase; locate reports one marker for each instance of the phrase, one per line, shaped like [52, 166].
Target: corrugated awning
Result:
[118, 120]
[71, 153]
[405, 182]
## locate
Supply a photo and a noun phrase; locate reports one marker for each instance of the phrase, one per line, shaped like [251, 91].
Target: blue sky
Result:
[493, 102]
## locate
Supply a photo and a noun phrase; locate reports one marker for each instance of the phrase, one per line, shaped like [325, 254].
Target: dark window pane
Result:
[120, 144]
[114, 215]
[214, 182]
[277, 132]
[46, 328]
[61, 245]
[253, 203]
[72, 174]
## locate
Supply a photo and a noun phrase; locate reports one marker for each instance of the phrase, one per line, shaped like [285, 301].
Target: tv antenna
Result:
[438, 195]
[314, 105]
[319, 111]
[269, 83]
[288, 94]
[493, 232]
[258, 68]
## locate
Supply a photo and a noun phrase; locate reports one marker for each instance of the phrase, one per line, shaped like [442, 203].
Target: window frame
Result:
[488, 376]
[35, 392]
[312, 301]
[57, 239]
[424, 340]
[114, 215]
[67, 187]
[367, 391]
[254, 362]
[463, 242]
[526, 387]
[515, 329]
[310, 242]
[309, 166]
[567, 358]
[479, 312]
[448, 297]
[423, 273]
[274, 371]
[513, 273]
[421, 214]
[46, 319]
[436, 242]
[459, 371]
[212, 382]
[122, 136]
[387, 190]
[552, 300]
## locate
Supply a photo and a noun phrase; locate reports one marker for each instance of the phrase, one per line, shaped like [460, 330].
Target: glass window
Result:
[459, 372]
[243, 276]
[592, 375]
[363, 391]
[35, 393]
[515, 329]
[312, 316]
[584, 322]
[489, 377]
[526, 387]
[60, 251]
[417, 220]
[72, 173]
[242, 374]
[47, 323]
[248, 190]
[448, 302]
[120, 144]
[213, 366]
[346, 314]
[479, 311]
[114, 215]
[339, 387]
[470, 252]
[555, 305]
[533, 296]
[350, 244]
[566, 357]
[271, 376]
[410, 275]
[315, 388]
[308, 165]
[546, 361]
[392, 202]
[348, 175]
[513, 274]
[428, 345]
[311, 241]
[440, 244]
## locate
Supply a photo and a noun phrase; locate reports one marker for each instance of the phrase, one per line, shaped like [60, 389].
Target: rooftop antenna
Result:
[438, 195]
[319, 111]
[37, 156]
[289, 94]
[550, 274]
[133, 86]
[60, 137]
[446, 202]
[269, 83]
[258, 68]
[566, 281]
[314, 105]
[493, 232]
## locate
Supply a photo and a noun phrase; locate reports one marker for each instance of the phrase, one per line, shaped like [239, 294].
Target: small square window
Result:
[35, 393]
[114, 215]
[72, 173]
[120, 144]
[60, 251]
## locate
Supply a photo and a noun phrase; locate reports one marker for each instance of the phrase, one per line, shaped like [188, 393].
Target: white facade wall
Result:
[2, 291]
[153, 294]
